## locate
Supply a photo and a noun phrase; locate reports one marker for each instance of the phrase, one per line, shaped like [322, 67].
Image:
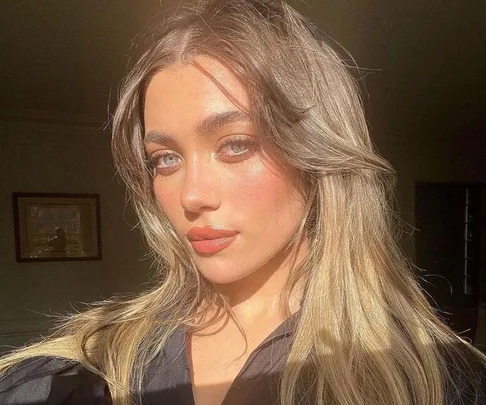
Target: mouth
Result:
[211, 246]
[209, 241]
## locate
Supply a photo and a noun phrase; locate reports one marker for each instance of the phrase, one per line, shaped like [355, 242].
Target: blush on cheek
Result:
[259, 188]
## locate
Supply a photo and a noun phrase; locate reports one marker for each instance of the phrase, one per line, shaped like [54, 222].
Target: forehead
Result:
[180, 93]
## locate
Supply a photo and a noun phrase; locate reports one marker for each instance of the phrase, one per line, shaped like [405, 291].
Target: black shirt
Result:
[54, 381]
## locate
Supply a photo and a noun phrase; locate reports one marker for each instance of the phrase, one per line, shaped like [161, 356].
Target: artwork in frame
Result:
[55, 227]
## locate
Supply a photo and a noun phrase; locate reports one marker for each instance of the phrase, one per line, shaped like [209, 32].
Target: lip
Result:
[209, 241]
[208, 233]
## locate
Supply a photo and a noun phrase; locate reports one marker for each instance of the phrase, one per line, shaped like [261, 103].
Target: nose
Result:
[201, 189]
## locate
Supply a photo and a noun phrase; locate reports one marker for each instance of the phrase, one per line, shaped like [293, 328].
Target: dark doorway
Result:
[450, 246]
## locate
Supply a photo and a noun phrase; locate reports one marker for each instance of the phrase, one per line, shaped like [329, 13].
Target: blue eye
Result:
[236, 149]
[168, 159]
[232, 149]
[165, 162]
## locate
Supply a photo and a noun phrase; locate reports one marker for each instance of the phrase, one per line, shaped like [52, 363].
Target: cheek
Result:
[264, 193]
[169, 201]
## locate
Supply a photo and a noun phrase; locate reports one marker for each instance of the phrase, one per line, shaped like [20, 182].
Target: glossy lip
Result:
[209, 241]
[208, 233]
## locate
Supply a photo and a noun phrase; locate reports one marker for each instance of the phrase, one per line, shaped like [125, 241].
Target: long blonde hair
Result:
[367, 334]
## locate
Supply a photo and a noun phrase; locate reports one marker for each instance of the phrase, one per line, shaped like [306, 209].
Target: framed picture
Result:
[54, 227]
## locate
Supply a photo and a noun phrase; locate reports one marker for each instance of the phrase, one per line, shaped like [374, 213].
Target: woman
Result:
[242, 141]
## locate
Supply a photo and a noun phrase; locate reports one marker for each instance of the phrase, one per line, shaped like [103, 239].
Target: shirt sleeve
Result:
[52, 381]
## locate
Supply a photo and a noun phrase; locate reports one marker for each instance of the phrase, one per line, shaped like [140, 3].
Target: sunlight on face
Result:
[210, 173]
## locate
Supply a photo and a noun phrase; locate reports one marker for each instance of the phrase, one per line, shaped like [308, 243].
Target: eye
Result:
[235, 149]
[165, 162]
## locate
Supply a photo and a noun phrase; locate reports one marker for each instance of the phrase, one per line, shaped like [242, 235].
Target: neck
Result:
[258, 296]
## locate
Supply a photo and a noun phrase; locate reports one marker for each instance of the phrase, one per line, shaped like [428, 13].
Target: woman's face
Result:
[225, 198]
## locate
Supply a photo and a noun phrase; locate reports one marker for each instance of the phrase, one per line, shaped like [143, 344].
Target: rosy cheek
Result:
[259, 187]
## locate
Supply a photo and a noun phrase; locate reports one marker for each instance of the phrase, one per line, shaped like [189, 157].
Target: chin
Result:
[222, 274]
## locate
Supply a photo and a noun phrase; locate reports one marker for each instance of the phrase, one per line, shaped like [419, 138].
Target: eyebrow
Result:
[215, 121]
[208, 125]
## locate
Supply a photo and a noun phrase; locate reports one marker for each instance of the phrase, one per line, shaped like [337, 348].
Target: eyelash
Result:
[250, 144]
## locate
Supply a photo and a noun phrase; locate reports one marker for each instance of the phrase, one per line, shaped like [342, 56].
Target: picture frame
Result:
[56, 227]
